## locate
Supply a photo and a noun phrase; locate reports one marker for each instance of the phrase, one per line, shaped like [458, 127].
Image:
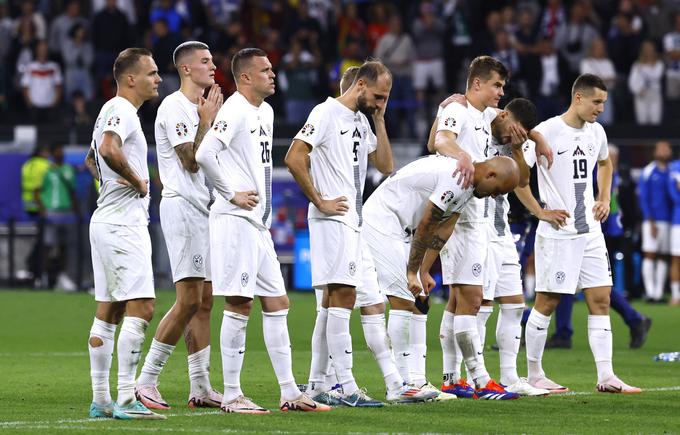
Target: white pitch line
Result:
[594, 392]
[43, 354]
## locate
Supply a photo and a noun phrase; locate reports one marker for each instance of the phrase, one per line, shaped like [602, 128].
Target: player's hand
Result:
[517, 136]
[464, 169]
[556, 218]
[455, 98]
[142, 186]
[379, 112]
[334, 207]
[601, 211]
[413, 283]
[543, 149]
[208, 107]
[246, 200]
[654, 229]
[428, 282]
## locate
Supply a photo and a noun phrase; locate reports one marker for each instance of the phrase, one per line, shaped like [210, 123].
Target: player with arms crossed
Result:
[119, 236]
[236, 157]
[328, 159]
[183, 119]
[571, 253]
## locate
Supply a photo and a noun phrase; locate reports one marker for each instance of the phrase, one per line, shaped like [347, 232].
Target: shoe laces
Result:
[493, 386]
[462, 382]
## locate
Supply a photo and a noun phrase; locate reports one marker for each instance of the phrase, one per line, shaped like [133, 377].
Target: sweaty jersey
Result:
[568, 184]
[119, 204]
[176, 123]
[398, 204]
[236, 156]
[655, 199]
[473, 130]
[674, 190]
[341, 141]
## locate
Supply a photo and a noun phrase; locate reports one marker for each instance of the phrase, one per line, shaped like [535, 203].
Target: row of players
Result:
[360, 253]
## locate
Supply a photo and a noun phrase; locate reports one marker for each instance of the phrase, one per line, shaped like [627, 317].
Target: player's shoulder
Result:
[490, 113]
[455, 109]
[267, 109]
[649, 169]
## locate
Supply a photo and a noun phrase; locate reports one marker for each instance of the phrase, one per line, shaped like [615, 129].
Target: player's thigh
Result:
[659, 244]
[390, 257]
[420, 75]
[675, 241]
[368, 292]
[234, 247]
[509, 281]
[464, 256]
[121, 262]
[336, 253]
[269, 283]
[185, 229]
[596, 269]
[558, 264]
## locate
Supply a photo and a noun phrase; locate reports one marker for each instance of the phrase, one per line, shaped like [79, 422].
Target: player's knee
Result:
[191, 307]
[239, 305]
[95, 342]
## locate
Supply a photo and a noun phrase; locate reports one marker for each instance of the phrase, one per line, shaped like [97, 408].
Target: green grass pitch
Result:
[45, 384]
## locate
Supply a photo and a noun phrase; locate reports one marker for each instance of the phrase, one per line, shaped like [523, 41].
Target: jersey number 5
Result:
[355, 150]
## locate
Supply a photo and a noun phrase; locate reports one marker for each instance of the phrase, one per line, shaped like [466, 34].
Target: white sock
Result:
[648, 278]
[529, 286]
[233, 348]
[340, 347]
[467, 337]
[199, 372]
[418, 352]
[451, 355]
[277, 341]
[483, 317]
[660, 279]
[378, 343]
[398, 328]
[320, 366]
[536, 336]
[154, 361]
[675, 289]
[508, 337]
[130, 342]
[600, 340]
[100, 360]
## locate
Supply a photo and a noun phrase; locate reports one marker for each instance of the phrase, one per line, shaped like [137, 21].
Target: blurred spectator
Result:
[350, 27]
[630, 10]
[220, 12]
[645, 84]
[163, 45]
[550, 92]
[506, 53]
[227, 37]
[485, 38]
[657, 15]
[110, 36]
[61, 27]
[78, 55]
[377, 24]
[23, 45]
[166, 10]
[456, 14]
[42, 85]
[552, 18]
[300, 78]
[320, 10]
[223, 76]
[127, 7]
[305, 28]
[32, 178]
[526, 44]
[599, 64]
[428, 68]
[671, 46]
[28, 13]
[352, 56]
[573, 40]
[78, 115]
[509, 19]
[397, 51]
[5, 47]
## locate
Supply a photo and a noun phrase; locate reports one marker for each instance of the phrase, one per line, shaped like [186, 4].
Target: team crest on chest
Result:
[181, 129]
[220, 126]
[307, 130]
[591, 149]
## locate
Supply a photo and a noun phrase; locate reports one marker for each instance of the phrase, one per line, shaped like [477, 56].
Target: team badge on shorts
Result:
[307, 130]
[352, 268]
[244, 279]
[560, 277]
[198, 262]
[220, 126]
[476, 269]
[113, 121]
[181, 129]
[450, 122]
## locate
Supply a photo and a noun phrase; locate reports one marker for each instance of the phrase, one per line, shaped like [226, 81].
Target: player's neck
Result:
[192, 91]
[131, 96]
[475, 101]
[571, 118]
[252, 97]
[349, 100]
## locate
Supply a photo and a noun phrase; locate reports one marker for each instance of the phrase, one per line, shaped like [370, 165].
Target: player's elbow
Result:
[386, 168]
[199, 160]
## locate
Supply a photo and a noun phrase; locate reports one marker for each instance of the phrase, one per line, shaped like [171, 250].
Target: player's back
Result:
[117, 203]
[176, 123]
[674, 189]
[655, 198]
[397, 205]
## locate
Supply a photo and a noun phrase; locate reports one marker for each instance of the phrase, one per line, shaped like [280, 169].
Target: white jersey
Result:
[177, 123]
[473, 130]
[341, 140]
[568, 184]
[397, 205]
[119, 204]
[241, 140]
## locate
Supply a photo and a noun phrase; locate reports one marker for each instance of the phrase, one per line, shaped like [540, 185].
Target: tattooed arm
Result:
[111, 150]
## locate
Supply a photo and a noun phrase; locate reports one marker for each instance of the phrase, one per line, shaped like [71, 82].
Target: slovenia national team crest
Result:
[113, 121]
[476, 269]
[450, 122]
[181, 129]
[307, 130]
[198, 262]
[591, 149]
[220, 126]
[447, 197]
[560, 277]
[352, 268]
[244, 279]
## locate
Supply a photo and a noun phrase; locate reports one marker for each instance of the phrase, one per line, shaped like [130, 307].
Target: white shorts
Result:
[335, 250]
[243, 259]
[464, 256]
[659, 245]
[503, 272]
[121, 262]
[425, 71]
[675, 241]
[185, 230]
[567, 265]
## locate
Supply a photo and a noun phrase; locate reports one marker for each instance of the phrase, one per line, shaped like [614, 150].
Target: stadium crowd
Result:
[57, 55]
